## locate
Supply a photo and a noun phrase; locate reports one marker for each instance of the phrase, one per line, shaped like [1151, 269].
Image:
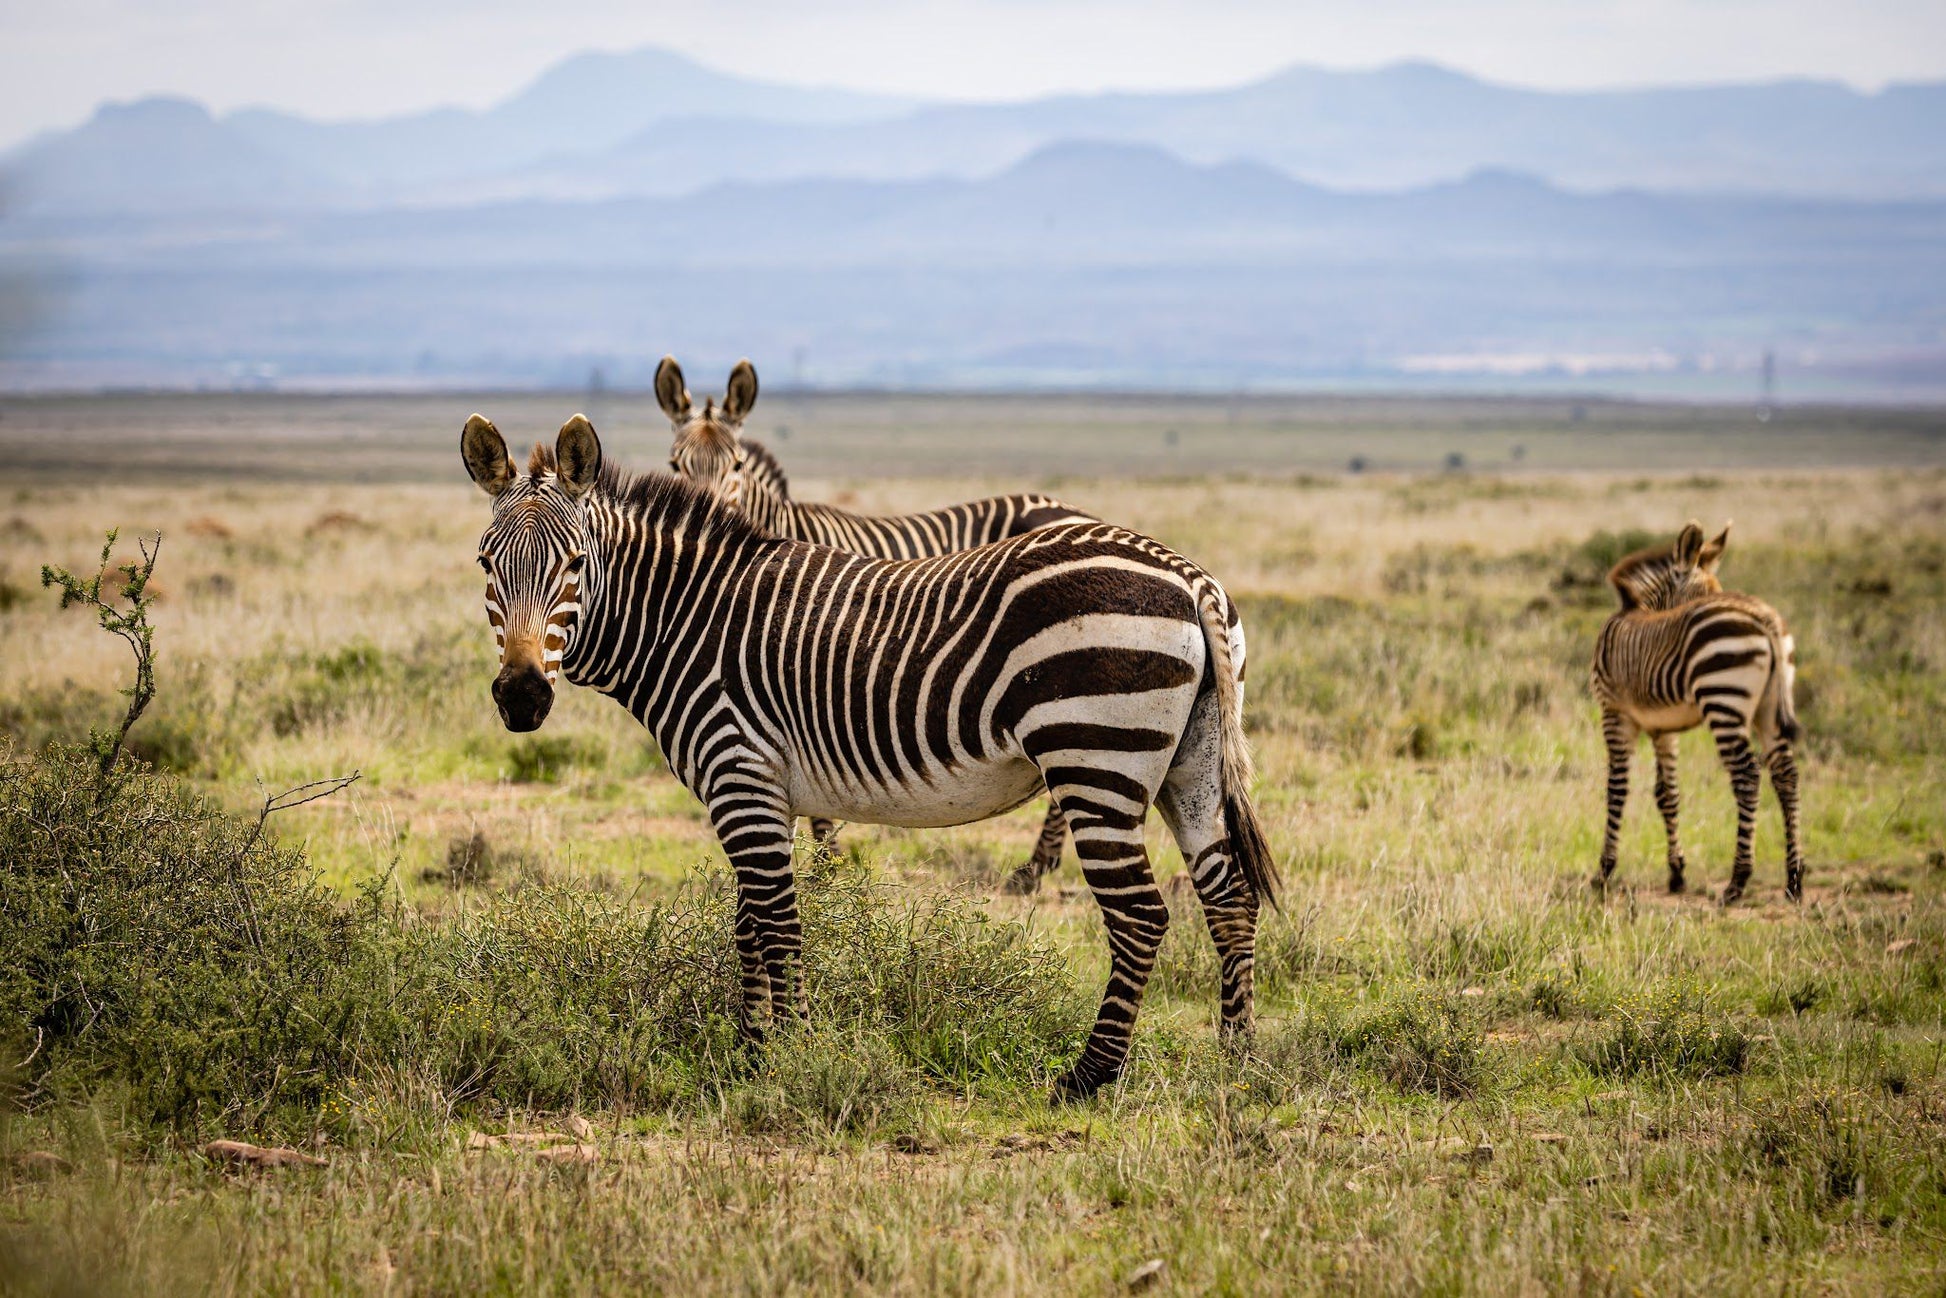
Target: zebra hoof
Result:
[1074, 1086]
[1677, 885]
[1731, 895]
[1599, 885]
[1023, 881]
[1794, 890]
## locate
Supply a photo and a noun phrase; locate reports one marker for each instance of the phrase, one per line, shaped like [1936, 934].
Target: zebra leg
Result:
[1620, 734]
[1746, 777]
[754, 825]
[1193, 810]
[1668, 800]
[1114, 860]
[1191, 803]
[824, 835]
[1783, 778]
[1047, 854]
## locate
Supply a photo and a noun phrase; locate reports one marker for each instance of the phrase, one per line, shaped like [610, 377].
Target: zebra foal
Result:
[781, 678]
[711, 451]
[1683, 652]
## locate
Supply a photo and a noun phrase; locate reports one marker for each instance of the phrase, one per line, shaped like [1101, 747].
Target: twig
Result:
[311, 792]
[274, 803]
[132, 626]
[40, 1034]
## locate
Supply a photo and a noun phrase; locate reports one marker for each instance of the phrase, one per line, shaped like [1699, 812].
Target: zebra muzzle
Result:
[523, 696]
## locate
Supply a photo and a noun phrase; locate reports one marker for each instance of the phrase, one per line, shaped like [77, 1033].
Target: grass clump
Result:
[1818, 1141]
[1423, 1042]
[1672, 1033]
[961, 995]
[544, 759]
[828, 1081]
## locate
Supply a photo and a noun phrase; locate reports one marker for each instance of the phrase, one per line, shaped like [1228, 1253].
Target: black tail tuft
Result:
[1250, 848]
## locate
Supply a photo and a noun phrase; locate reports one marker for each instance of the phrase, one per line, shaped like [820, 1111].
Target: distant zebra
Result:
[781, 678]
[1683, 652]
[711, 451]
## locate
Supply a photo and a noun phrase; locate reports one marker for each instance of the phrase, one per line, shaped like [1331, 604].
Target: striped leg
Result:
[1668, 800]
[1783, 778]
[754, 826]
[1746, 777]
[1047, 853]
[1191, 803]
[824, 835]
[1108, 839]
[1620, 734]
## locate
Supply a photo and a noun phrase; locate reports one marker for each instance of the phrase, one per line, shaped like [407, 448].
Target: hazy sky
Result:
[340, 58]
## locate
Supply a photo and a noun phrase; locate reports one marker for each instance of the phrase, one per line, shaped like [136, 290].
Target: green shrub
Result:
[826, 1080]
[1423, 1041]
[155, 946]
[544, 759]
[1672, 1033]
[152, 942]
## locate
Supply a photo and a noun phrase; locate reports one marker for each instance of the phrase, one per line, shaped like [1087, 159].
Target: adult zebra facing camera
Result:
[782, 678]
[711, 451]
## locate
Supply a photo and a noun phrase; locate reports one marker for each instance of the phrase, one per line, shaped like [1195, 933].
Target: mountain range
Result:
[652, 123]
[1410, 224]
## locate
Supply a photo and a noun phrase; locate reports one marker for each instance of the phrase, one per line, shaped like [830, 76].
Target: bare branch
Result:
[310, 792]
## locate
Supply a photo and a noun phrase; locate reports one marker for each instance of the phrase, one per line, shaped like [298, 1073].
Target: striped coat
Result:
[782, 678]
[710, 450]
[1682, 652]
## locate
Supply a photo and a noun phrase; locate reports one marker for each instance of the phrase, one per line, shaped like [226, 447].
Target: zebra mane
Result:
[654, 496]
[1647, 578]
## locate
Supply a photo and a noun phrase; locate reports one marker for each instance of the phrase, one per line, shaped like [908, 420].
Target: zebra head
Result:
[535, 554]
[708, 449]
[1667, 575]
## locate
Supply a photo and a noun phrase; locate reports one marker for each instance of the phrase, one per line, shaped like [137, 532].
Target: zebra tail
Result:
[1777, 710]
[1249, 846]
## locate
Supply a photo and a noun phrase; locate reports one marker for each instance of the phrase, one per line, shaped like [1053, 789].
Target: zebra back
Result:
[765, 498]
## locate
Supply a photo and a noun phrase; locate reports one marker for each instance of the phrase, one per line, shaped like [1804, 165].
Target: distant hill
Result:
[652, 123]
[1084, 262]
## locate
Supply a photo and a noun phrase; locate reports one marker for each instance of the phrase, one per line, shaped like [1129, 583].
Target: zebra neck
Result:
[766, 508]
[654, 580]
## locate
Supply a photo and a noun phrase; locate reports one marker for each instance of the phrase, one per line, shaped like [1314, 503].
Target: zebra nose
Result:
[523, 696]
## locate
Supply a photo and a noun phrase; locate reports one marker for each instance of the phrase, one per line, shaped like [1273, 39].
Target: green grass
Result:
[1472, 1075]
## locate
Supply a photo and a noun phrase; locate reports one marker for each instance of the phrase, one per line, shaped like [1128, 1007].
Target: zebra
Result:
[1684, 652]
[782, 678]
[710, 450]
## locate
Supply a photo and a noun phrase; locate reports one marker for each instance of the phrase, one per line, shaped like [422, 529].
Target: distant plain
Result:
[1643, 1095]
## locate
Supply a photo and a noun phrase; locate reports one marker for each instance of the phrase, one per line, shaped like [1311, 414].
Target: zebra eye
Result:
[575, 561]
[486, 565]
[674, 465]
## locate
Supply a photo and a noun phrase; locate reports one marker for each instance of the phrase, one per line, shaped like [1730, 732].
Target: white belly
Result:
[1680, 716]
[971, 792]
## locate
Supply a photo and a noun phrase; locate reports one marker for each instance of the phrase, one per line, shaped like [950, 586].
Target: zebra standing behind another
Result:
[1684, 652]
[781, 678]
[711, 451]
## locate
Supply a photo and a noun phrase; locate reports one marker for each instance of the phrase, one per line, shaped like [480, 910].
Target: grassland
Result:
[1472, 1076]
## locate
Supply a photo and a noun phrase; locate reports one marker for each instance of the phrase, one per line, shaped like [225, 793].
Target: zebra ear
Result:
[485, 452]
[1713, 550]
[1689, 545]
[670, 393]
[577, 456]
[741, 394]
